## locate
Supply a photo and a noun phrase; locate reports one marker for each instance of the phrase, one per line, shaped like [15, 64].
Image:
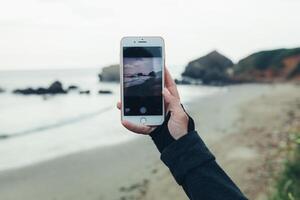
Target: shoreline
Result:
[65, 125]
[133, 170]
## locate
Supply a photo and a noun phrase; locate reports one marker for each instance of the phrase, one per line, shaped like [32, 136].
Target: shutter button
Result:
[143, 120]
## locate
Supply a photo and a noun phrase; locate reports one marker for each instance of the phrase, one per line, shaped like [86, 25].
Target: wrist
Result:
[161, 135]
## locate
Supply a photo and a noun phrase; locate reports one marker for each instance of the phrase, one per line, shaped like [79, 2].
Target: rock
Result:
[110, 74]
[55, 88]
[4, 136]
[40, 91]
[211, 69]
[182, 82]
[188, 81]
[84, 92]
[2, 90]
[73, 87]
[177, 81]
[105, 92]
[26, 91]
[152, 74]
[269, 66]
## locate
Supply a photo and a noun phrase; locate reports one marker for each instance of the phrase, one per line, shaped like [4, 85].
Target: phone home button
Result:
[143, 120]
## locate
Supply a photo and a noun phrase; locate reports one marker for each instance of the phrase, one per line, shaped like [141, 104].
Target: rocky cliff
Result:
[110, 74]
[212, 68]
[266, 66]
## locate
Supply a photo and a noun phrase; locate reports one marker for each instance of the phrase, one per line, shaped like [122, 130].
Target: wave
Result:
[61, 123]
[128, 82]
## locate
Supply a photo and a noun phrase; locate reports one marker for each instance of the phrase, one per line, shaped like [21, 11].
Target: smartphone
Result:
[142, 80]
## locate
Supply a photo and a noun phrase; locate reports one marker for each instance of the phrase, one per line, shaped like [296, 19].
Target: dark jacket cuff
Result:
[161, 135]
[185, 154]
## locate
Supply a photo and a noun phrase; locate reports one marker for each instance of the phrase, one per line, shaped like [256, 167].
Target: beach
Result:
[242, 127]
[65, 67]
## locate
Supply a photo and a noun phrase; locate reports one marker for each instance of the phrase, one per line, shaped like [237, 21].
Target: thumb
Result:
[172, 101]
[167, 95]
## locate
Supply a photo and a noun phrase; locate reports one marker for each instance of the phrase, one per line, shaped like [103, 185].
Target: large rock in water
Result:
[55, 88]
[110, 74]
[211, 69]
[2, 90]
[273, 65]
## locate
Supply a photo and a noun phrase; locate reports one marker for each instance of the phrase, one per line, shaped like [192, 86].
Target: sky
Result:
[43, 34]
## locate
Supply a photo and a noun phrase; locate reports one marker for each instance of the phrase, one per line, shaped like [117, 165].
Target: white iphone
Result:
[142, 80]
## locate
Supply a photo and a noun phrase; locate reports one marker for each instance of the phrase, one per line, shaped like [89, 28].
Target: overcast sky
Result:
[40, 34]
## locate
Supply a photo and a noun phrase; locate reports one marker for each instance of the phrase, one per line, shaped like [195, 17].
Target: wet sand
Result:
[242, 127]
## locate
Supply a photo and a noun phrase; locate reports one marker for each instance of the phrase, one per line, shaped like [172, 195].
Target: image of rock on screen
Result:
[142, 80]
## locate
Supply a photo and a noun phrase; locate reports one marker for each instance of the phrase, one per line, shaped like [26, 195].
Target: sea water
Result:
[34, 129]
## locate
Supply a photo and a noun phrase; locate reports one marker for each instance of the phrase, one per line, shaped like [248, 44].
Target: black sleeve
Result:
[193, 165]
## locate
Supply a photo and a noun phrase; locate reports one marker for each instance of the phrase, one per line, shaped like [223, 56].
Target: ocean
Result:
[34, 129]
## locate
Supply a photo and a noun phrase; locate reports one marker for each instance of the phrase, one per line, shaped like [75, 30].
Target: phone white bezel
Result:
[140, 41]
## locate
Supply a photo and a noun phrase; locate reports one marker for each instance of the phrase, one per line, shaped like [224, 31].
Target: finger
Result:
[170, 83]
[140, 129]
[168, 78]
[168, 96]
[173, 102]
[119, 105]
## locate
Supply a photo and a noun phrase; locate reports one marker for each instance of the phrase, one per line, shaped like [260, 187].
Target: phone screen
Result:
[142, 81]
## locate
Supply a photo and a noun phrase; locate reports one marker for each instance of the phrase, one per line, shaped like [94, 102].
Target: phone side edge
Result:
[121, 78]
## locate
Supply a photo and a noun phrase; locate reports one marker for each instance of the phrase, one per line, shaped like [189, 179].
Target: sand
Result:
[243, 127]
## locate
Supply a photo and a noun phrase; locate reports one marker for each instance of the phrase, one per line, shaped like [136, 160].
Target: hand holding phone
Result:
[178, 122]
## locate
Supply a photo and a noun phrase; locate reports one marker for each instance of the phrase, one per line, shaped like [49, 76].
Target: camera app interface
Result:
[142, 80]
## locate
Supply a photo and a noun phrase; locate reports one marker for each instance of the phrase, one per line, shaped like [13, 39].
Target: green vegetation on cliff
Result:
[264, 60]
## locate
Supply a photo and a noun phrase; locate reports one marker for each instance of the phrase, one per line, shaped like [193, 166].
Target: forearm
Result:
[210, 182]
[193, 165]
[195, 168]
